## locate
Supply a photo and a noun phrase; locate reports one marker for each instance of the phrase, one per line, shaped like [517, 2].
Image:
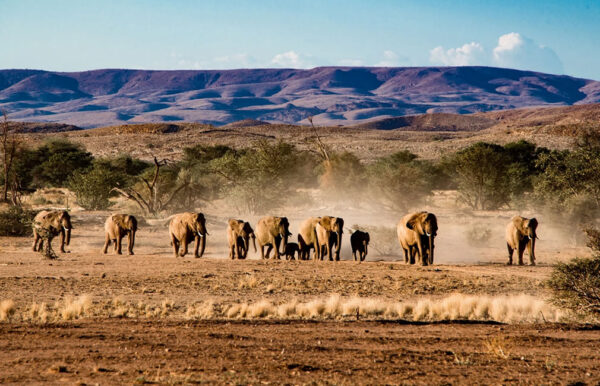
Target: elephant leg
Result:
[41, 245]
[412, 252]
[268, 253]
[510, 254]
[36, 238]
[262, 252]
[106, 244]
[277, 246]
[330, 251]
[197, 247]
[354, 254]
[231, 251]
[62, 241]
[521, 252]
[119, 244]
[422, 257]
[175, 244]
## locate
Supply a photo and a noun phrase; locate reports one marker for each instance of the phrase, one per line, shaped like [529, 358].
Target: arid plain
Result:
[90, 318]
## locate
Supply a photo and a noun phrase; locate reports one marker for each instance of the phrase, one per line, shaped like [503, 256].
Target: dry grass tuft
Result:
[249, 282]
[7, 309]
[39, 313]
[508, 309]
[498, 346]
[74, 309]
[202, 310]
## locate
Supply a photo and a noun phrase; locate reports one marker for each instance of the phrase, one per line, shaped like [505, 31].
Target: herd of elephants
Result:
[416, 234]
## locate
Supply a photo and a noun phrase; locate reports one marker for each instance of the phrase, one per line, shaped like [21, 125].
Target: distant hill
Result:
[333, 95]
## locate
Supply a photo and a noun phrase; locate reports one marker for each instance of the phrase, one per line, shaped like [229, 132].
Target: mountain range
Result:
[332, 95]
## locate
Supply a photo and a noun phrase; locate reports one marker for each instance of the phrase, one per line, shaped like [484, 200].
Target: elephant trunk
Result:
[338, 247]
[366, 248]
[430, 249]
[284, 240]
[68, 241]
[254, 242]
[202, 244]
[532, 249]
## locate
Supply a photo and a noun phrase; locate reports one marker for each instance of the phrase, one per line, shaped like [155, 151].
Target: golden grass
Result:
[7, 308]
[506, 309]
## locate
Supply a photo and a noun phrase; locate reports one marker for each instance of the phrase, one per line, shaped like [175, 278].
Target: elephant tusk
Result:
[65, 228]
[428, 234]
[200, 234]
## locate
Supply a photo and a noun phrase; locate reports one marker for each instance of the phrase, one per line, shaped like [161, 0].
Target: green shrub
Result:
[93, 186]
[400, 181]
[16, 221]
[576, 286]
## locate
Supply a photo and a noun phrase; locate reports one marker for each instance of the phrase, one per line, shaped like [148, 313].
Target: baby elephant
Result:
[116, 227]
[290, 250]
[360, 242]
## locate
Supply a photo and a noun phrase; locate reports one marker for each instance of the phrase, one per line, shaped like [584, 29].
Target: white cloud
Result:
[391, 59]
[467, 55]
[517, 51]
[512, 51]
[291, 59]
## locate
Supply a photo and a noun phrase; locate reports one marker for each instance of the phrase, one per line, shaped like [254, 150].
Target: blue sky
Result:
[550, 36]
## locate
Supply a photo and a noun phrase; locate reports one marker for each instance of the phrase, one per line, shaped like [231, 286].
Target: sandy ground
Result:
[107, 346]
[297, 352]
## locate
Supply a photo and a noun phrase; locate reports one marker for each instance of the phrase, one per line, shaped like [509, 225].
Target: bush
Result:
[263, 177]
[576, 286]
[593, 238]
[400, 180]
[481, 175]
[93, 186]
[16, 221]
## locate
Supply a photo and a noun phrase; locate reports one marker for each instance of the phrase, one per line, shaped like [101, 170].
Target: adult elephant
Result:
[329, 232]
[521, 233]
[239, 234]
[273, 232]
[307, 237]
[118, 226]
[416, 234]
[185, 227]
[359, 241]
[48, 224]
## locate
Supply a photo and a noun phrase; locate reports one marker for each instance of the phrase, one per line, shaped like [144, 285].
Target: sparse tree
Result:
[10, 145]
[152, 194]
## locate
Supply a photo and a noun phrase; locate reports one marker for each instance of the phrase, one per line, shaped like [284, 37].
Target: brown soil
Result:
[298, 352]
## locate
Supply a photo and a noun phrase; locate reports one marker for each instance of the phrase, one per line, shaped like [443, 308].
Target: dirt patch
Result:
[297, 352]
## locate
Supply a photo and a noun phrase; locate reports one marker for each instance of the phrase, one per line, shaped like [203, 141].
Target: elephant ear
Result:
[414, 222]
[246, 227]
[233, 223]
[533, 223]
[325, 222]
[519, 223]
[199, 218]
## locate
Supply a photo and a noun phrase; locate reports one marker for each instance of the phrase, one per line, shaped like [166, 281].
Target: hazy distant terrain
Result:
[334, 95]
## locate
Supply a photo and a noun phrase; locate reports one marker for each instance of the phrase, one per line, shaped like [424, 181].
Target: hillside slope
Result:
[333, 95]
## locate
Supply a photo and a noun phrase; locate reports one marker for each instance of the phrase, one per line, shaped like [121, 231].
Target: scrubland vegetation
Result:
[267, 176]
